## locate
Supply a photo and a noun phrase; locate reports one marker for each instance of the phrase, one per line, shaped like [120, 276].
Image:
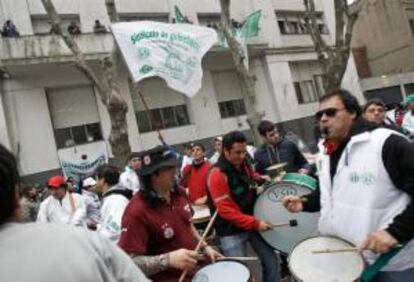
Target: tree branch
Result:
[80, 60]
[234, 46]
[311, 24]
[112, 12]
[340, 11]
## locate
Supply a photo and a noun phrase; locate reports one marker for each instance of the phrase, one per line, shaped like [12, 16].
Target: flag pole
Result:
[150, 116]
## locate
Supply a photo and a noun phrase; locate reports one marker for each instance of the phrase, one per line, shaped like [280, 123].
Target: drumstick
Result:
[342, 250]
[331, 251]
[239, 258]
[197, 248]
[292, 223]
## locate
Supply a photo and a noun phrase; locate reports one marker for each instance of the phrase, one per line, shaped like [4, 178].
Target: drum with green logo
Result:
[269, 207]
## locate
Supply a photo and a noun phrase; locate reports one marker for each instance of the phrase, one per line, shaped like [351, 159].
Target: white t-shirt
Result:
[53, 210]
[129, 179]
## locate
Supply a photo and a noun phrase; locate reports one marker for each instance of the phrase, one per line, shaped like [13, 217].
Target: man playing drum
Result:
[366, 180]
[156, 227]
[231, 186]
[277, 150]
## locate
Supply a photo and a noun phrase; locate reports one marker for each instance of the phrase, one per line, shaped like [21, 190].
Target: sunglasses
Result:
[330, 112]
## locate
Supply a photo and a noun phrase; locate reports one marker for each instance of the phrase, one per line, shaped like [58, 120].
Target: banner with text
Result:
[170, 51]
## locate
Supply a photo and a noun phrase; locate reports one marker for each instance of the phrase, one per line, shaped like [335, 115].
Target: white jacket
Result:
[129, 179]
[56, 211]
[408, 122]
[362, 198]
[112, 210]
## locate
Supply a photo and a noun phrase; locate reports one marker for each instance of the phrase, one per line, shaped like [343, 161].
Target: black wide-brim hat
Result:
[157, 158]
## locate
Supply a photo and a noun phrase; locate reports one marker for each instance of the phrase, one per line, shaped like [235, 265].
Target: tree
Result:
[334, 59]
[248, 81]
[104, 81]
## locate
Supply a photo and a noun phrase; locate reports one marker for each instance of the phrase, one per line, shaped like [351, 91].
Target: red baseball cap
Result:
[56, 181]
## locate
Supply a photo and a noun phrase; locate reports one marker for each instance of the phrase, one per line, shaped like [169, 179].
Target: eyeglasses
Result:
[330, 112]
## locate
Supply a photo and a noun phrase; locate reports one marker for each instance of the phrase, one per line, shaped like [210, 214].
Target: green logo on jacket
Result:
[364, 178]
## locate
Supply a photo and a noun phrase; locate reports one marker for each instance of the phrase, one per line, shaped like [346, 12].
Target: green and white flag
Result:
[170, 51]
[179, 17]
[249, 29]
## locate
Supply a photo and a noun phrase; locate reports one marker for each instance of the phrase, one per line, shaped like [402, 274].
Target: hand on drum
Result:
[212, 254]
[293, 203]
[379, 242]
[264, 226]
[183, 259]
[266, 178]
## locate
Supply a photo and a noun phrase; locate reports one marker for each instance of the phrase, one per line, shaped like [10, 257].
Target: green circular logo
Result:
[145, 69]
[143, 53]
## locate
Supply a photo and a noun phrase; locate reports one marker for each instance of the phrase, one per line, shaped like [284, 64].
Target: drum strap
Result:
[372, 271]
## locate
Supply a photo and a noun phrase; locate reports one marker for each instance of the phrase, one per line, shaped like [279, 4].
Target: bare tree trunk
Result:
[248, 81]
[105, 84]
[334, 59]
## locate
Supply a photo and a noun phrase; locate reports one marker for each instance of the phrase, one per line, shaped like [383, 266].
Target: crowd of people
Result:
[136, 223]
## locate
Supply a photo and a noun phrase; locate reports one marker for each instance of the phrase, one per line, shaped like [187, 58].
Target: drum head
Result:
[339, 267]
[269, 207]
[223, 271]
[201, 214]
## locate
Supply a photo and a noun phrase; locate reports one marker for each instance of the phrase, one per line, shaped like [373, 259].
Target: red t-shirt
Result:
[153, 231]
[195, 179]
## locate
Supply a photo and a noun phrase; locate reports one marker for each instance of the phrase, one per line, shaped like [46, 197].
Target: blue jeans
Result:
[235, 246]
[395, 276]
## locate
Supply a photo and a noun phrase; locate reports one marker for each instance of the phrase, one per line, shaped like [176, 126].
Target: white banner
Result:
[81, 161]
[170, 51]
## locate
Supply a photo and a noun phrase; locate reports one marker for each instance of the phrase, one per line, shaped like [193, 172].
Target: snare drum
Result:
[201, 214]
[269, 207]
[223, 271]
[326, 267]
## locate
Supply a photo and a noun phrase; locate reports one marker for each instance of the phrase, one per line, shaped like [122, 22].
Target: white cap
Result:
[218, 138]
[88, 182]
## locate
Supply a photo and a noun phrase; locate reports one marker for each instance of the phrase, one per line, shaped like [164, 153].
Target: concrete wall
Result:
[383, 28]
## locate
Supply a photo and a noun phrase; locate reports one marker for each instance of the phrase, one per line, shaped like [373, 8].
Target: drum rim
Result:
[301, 175]
[227, 260]
[321, 236]
[254, 213]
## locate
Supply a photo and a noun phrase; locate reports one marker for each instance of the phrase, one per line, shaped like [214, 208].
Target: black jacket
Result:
[284, 151]
[398, 158]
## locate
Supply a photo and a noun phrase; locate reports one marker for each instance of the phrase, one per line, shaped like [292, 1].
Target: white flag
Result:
[170, 51]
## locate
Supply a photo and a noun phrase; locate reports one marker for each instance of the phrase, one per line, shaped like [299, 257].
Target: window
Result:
[74, 116]
[319, 81]
[305, 91]
[294, 22]
[78, 135]
[168, 108]
[233, 108]
[412, 26]
[162, 118]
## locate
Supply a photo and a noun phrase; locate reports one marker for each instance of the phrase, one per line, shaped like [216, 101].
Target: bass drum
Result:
[307, 266]
[269, 207]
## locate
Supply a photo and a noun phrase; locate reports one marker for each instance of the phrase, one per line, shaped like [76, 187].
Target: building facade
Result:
[383, 44]
[49, 109]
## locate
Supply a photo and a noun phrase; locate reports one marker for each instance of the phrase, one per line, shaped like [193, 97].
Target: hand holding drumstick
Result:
[293, 204]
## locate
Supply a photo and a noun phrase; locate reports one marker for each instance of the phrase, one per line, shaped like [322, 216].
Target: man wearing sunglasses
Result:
[366, 180]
